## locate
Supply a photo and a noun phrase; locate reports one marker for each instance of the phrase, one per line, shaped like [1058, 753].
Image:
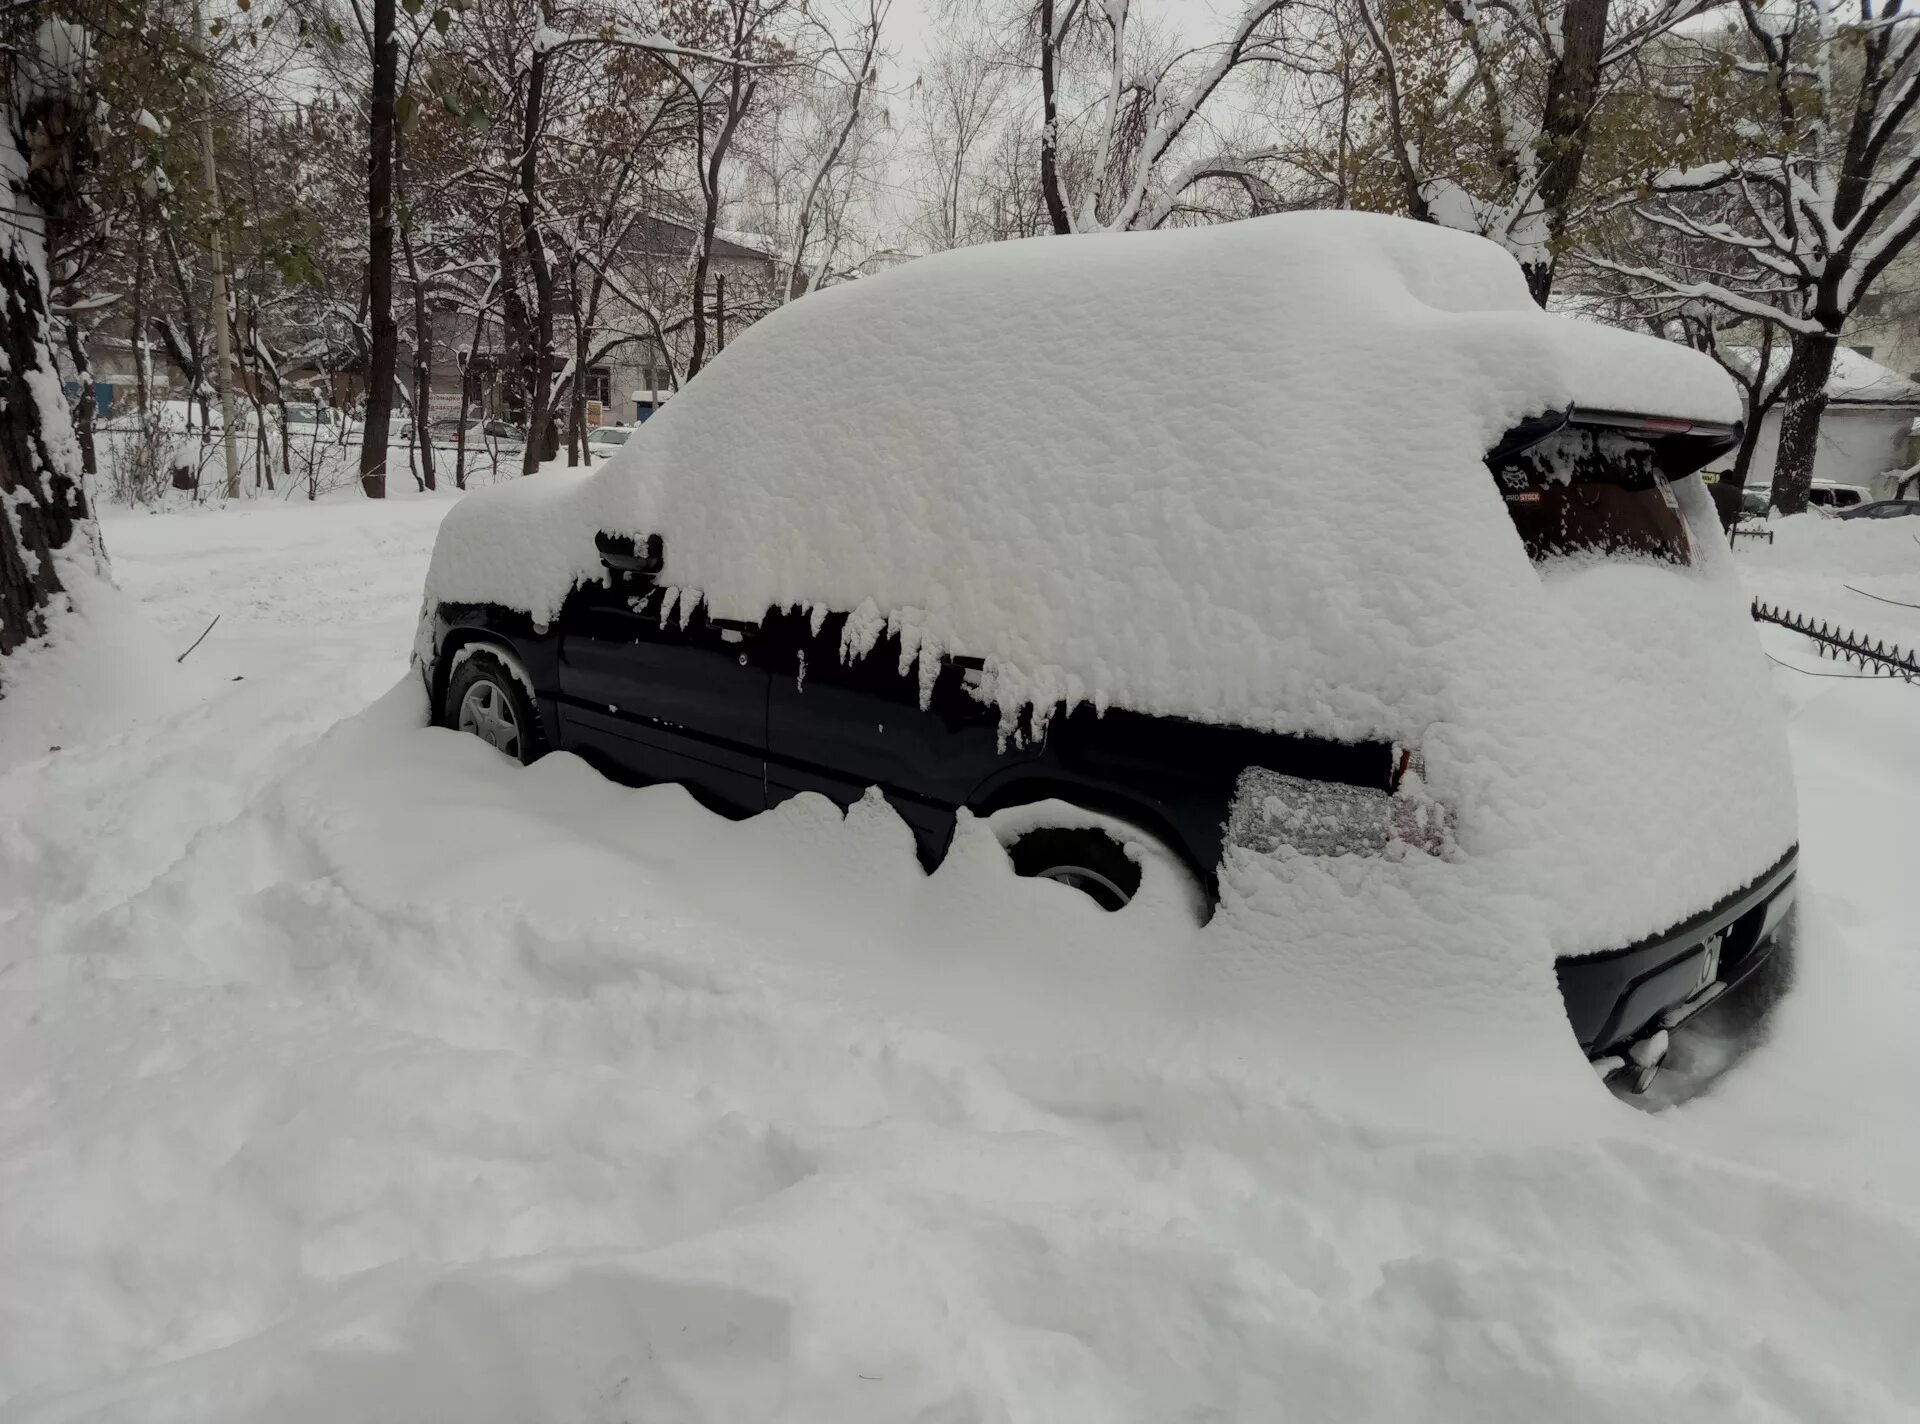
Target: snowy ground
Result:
[350, 1071]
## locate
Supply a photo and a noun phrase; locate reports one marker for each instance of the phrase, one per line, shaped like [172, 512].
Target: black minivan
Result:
[1308, 538]
[745, 714]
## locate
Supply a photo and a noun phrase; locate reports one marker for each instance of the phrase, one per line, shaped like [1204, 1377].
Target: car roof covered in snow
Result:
[1006, 448]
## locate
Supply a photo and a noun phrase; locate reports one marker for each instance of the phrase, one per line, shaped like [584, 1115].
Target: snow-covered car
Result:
[447, 431]
[609, 438]
[306, 417]
[1883, 509]
[1830, 497]
[1372, 560]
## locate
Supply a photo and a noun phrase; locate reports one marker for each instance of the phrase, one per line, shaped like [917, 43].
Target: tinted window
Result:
[1592, 492]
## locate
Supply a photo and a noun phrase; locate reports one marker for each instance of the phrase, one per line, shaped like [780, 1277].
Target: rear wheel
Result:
[1087, 859]
[486, 699]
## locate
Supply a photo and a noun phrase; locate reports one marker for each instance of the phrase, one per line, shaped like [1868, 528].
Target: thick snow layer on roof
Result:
[1858, 378]
[1855, 379]
[1234, 474]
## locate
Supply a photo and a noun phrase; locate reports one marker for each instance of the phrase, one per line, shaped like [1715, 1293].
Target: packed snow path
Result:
[348, 1070]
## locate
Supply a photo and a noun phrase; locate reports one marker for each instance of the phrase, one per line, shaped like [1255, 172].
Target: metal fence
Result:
[1842, 645]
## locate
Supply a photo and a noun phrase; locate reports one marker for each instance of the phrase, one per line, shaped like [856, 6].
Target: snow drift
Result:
[367, 1074]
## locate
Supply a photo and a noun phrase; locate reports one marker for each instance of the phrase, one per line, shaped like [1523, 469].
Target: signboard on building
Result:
[593, 415]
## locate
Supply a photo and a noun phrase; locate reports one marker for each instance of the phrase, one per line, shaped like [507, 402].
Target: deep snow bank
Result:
[371, 1076]
[429, 1086]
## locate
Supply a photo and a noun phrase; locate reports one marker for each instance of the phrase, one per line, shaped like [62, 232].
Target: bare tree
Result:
[845, 63]
[960, 97]
[1488, 112]
[1824, 195]
[1147, 142]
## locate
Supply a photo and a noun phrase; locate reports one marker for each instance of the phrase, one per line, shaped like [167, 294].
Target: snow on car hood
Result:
[1235, 474]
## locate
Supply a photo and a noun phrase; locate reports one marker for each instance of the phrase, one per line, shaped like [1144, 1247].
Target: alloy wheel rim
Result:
[486, 712]
[1085, 881]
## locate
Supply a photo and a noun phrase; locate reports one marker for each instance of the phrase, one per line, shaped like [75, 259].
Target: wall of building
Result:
[1887, 324]
[1857, 446]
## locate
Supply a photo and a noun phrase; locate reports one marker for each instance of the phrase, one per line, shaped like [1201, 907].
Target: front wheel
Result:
[486, 699]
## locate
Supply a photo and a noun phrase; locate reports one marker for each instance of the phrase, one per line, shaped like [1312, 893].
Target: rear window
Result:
[1593, 493]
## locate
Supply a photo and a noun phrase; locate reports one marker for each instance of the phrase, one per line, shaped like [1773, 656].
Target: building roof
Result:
[1861, 379]
[658, 235]
[1856, 379]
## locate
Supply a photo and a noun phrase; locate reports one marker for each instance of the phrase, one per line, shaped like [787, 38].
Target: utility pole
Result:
[223, 350]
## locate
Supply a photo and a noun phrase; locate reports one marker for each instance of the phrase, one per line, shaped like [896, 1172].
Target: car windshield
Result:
[610, 437]
[1592, 492]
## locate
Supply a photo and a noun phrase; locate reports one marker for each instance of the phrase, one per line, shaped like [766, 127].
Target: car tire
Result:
[1088, 859]
[485, 698]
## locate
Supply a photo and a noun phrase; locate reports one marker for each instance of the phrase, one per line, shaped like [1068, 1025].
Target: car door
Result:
[651, 698]
[837, 727]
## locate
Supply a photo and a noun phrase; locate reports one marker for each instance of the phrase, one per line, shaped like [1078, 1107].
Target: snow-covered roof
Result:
[1232, 473]
[1856, 379]
[1861, 379]
[756, 242]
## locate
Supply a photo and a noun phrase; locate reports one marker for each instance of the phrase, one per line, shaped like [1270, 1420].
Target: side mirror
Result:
[637, 560]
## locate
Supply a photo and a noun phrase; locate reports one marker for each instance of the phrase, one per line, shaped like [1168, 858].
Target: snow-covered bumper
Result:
[1623, 1004]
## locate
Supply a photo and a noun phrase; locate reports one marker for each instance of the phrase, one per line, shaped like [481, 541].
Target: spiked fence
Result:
[1843, 645]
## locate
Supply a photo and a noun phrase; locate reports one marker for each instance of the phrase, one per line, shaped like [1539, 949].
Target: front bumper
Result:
[1617, 1002]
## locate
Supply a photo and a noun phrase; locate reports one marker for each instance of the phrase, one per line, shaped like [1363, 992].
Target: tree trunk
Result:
[466, 395]
[540, 396]
[383, 350]
[83, 406]
[422, 364]
[739, 94]
[142, 367]
[460, 436]
[1572, 87]
[187, 347]
[1802, 403]
[1749, 441]
[41, 503]
[516, 329]
[1050, 126]
[577, 453]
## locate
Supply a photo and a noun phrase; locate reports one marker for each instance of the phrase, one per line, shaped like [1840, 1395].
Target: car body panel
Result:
[837, 725]
[653, 693]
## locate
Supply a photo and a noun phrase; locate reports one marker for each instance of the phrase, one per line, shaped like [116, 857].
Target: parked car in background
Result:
[1882, 509]
[609, 437]
[307, 417]
[1242, 642]
[504, 434]
[1827, 496]
[446, 432]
